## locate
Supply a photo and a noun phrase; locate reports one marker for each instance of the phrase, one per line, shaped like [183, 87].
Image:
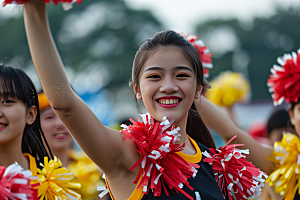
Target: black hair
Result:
[16, 84]
[293, 104]
[195, 126]
[279, 119]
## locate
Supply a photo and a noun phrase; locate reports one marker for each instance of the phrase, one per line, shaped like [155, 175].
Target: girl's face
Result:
[295, 117]
[14, 116]
[168, 85]
[56, 133]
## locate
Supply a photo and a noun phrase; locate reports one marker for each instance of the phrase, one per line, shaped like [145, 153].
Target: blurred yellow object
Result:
[54, 182]
[43, 101]
[86, 172]
[285, 179]
[228, 88]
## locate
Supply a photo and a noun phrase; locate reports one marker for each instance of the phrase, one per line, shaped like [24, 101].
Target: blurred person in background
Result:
[60, 141]
[283, 163]
[278, 123]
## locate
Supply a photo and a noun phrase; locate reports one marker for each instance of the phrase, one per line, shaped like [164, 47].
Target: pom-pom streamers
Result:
[55, 182]
[284, 81]
[204, 53]
[237, 178]
[286, 155]
[21, 2]
[161, 166]
[228, 88]
[15, 184]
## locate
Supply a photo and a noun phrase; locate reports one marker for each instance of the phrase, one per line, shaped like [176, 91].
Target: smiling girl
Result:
[20, 129]
[22, 139]
[56, 133]
[167, 75]
[60, 141]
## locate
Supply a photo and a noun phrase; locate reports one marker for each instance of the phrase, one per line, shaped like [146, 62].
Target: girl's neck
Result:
[189, 149]
[184, 139]
[10, 154]
[63, 156]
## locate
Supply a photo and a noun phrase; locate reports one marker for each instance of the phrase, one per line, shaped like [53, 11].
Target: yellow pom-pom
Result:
[285, 179]
[228, 88]
[87, 173]
[55, 182]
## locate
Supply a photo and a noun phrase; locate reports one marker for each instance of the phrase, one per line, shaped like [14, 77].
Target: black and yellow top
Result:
[204, 184]
[32, 164]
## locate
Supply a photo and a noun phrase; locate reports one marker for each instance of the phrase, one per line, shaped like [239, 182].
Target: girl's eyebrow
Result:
[176, 68]
[183, 67]
[153, 68]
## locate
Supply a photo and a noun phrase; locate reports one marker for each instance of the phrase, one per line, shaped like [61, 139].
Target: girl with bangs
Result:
[21, 136]
[22, 140]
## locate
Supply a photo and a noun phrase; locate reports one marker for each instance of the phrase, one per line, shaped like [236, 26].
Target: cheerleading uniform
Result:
[32, 164]
[204, 184]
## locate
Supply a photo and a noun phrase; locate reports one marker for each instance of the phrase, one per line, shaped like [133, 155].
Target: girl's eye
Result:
[7, 101]
[153, 76]
[49, 117]
[182, 75]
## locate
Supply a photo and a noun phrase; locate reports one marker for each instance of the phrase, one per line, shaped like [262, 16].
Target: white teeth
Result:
[168, 101]
[2, 125]
[60, 135]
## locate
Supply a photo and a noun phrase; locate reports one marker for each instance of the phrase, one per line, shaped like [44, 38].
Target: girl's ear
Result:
[292, 118]
[137, 92]
[198, 91]
[31, 115]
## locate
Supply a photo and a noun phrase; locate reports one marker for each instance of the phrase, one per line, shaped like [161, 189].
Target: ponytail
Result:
[197, 130]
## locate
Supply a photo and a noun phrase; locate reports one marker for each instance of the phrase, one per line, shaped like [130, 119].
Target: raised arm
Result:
[217, 120]
[103, 145]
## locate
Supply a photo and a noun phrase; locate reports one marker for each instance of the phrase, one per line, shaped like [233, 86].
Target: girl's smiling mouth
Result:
[168, 101]
[2, 126]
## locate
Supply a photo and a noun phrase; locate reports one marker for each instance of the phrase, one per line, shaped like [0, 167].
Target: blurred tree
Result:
[252, 47]
[97, 38]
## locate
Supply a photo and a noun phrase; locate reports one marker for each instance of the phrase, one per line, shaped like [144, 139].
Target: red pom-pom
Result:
[161, 166]
[204, 54]
[237, 178]
[15, 184]
[284, 81]
[20, 2]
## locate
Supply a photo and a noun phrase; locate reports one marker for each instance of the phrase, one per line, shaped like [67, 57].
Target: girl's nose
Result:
[169, 86]
[59, 124]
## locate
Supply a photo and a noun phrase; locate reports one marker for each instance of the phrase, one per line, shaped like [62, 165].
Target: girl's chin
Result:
[170, 117]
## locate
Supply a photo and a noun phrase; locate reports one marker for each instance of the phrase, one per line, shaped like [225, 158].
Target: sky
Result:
[183, 15]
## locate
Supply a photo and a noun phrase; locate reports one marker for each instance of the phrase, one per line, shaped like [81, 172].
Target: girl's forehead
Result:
[47, 110]
[166, 57]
